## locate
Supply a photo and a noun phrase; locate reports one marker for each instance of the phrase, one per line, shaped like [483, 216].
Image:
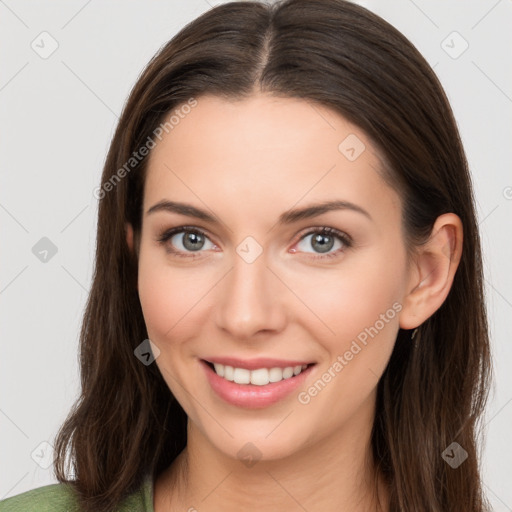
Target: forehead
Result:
[270, 151]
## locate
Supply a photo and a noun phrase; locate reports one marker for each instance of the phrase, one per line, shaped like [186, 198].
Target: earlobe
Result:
[433, 271]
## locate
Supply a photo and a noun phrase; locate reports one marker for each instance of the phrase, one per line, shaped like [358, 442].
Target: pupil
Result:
[193, 241]
[323, 240]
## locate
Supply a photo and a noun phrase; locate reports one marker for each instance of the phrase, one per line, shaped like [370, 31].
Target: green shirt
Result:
[60, 497]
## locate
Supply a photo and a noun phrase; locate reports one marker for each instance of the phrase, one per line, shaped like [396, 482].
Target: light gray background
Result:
[57, 118]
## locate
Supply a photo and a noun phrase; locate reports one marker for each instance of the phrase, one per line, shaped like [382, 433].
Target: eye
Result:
[184, 241]
[323, 240]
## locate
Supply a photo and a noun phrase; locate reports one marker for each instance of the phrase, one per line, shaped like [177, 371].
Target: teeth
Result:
[259, 377]
[219, 369]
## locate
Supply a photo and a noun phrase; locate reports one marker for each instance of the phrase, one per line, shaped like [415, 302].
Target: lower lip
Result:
[251, 396]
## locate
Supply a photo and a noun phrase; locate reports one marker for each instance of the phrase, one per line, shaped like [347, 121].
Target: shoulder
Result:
[61, 497]
[54, 497]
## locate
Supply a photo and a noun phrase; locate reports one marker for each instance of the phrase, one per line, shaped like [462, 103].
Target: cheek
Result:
[171, 298]
[158, 294]
[359, 309]
[360, 302]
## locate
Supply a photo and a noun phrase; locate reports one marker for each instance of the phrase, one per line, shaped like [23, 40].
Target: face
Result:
[252, 281]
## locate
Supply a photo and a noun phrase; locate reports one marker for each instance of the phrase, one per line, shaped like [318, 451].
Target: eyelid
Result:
[168, 233]
[346, 238]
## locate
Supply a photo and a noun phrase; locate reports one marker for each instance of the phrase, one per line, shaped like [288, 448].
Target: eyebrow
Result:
[288, 217]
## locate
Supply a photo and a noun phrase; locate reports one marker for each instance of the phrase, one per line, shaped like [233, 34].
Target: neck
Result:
[337, 473]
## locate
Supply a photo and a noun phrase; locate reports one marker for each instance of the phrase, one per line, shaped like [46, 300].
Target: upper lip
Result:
[254, 364]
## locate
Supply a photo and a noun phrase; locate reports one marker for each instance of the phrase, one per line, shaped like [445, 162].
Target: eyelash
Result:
[344, 238]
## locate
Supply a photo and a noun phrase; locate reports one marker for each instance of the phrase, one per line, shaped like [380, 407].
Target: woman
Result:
[286, 244]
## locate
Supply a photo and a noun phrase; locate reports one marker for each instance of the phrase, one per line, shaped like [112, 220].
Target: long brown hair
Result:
[126, 422]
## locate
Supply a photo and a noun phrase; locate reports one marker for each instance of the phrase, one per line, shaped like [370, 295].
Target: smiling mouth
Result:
[258, 376]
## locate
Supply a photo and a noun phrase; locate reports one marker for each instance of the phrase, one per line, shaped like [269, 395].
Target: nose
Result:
[250, 300]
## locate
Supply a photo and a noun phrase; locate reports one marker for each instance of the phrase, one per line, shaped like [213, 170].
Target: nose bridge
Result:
[250, 300]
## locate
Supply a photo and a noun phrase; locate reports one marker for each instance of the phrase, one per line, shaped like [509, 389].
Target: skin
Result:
[247, 162]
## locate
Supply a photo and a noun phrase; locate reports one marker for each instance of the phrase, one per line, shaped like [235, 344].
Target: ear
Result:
[129, 240]
[432, 271]
[129, 235]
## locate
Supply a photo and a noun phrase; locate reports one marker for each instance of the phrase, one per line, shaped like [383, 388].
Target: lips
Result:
[249, 395]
